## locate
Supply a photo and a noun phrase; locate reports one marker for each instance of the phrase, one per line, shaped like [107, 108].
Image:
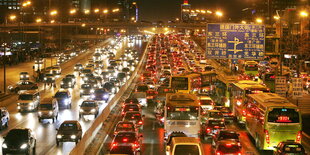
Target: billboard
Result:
[235, 41]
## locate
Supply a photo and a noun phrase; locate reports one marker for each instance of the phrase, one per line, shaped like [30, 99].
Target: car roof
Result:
[185, 140]
[29, 92]
[71, 122]
[46, 100]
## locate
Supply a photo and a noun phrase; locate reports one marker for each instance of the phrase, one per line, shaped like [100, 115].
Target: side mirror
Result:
[143, 116]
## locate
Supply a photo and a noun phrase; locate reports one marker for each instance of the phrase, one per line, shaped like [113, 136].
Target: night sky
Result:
[156, 10]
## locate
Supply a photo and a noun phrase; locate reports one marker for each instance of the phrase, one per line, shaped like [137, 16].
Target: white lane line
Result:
[152, 147]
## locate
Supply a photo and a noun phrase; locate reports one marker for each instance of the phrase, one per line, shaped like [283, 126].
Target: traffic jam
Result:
[203, 110]
[87, 90]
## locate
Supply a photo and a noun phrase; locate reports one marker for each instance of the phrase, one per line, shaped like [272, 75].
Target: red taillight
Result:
[218, 153]
[239, 153]
[140, 122]
[267, 137]
[216, 127]
[208, 130]
[228, 145]
[243, 112]
[114, 144]
[298, 137]
[123, 113]
[125, 139]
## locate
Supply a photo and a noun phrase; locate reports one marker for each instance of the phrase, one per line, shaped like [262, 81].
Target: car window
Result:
[61, 94]
[88, 104]
[68, 126]
[14, 135]
[186, 150]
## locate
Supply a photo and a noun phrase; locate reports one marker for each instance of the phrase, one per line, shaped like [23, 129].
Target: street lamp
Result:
[72, 11]
[219, 14]
[53, 13]
[96, 10]
[276, 17]
[259, 20]
[243, 22]
[86, 12]
[12, 17]
[303, 14]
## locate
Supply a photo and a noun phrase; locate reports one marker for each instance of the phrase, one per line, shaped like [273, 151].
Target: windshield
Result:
[25, 97]
[142, 88]
[182, 113]
[216, 114]
[186, 150]
[206, 102]
[99, 91]
[86, 71]
[68, 126]
[88, 104]
[17, 134]
[130, 116]
[179, 83]
[61, 95]
[283, 115]
[45, 106]
[225, 148]
[131, 107]
[228, 135]
[125, 137]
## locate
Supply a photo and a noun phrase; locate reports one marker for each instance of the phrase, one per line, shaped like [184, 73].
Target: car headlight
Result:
[59, 136]
[81, 110]
[4, 146]
[27, 75]
[39, 113]
[31, 103]
[61, 83]
[24, 146]
[82, 91]
[66, 100]
[93, 110]
[21, 76]
[69, 83]
[85, 79]
[73, 136]
[50, 112]
[92, 90]
[45, 78]
[53, 78]
[105, 96]
[92, 96]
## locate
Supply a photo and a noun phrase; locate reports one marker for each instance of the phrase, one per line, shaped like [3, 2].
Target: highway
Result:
[46, 130]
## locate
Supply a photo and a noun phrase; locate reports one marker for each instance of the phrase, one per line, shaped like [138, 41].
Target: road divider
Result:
[91, 133]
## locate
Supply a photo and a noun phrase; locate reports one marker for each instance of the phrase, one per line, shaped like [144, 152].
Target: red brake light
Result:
[114, 144]
[208, 130]
[216, 127]
[239, 153]
[267, 136]
[140, 122]
[218, 153]
[298, 137]
[125, 139]
[228, 145]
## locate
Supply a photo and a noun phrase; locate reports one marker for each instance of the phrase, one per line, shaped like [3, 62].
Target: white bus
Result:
[182, 114]
[272, 119]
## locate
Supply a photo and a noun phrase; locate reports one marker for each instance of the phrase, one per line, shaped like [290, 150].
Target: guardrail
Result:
[97, 124]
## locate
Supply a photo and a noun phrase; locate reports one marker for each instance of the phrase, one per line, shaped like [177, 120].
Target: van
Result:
[28, 100]
[184, 145]
[48, 109]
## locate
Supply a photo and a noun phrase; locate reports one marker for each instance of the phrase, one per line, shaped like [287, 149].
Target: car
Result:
[23, 85]
[211, 127]
[212, 115]
[122, 76]
[142, 88]
[64, 98]
[86, 90]
[19, 140]
[28, 100]
[125, 126]
[5, 117]
[135, 117]
[127, 138]
[227, 113]
[72, 76]
[206, 103]
[141, 97]
[289, 147]
[109, 87]
[23, 76]
[130, 107]
[184, 146]
[56, 70]
[49, 78]
[48, 109]
[174, 134]
[39, 61]
[227, 147]
[67, 83]
[85, 71]
[78, 67]
[89, 107]
[226, 135]
[69, 131]
[100, 94]
[105, 75]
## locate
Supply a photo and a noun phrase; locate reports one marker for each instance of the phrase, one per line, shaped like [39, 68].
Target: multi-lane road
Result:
[45, 131]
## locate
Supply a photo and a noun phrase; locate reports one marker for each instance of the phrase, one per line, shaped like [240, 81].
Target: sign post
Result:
[297, 87]
[281, 86]
[235, 41]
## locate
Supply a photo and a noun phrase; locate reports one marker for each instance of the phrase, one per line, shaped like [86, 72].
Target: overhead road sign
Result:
[235, 41]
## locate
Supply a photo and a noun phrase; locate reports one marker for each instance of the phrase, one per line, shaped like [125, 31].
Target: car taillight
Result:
[298, 137]
[123, 113]
[218, 153]
[208, 130]
[267, 136]
[115, 132]
[239, 153]
[114, 144]
[243, 112]
[162, 119]
[125, 139]
[140, 122]
[216, 127]
[136, 145]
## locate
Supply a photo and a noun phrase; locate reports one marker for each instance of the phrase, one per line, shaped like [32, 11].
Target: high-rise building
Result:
[128, 10]
[185, 11]
[7, 7]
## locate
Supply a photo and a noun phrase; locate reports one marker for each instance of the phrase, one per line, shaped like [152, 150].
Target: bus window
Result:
[179, 83]
[283, 115]
[182, 114]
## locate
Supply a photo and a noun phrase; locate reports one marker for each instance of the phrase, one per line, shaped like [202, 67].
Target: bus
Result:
[251, 68]
[208, 82]
[239, 92]
[272, 119]
[186, 83]
[182, 114]
[223, 84]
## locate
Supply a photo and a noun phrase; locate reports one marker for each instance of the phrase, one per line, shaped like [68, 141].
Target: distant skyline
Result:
[155, 10]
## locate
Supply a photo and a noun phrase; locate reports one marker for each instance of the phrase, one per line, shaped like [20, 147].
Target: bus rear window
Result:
[186, 150]
[206, 102]
[283, 115]
[179, 83]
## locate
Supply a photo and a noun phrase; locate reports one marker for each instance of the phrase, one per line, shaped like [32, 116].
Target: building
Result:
[128, 10]
[8, 7]
[185, 11]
